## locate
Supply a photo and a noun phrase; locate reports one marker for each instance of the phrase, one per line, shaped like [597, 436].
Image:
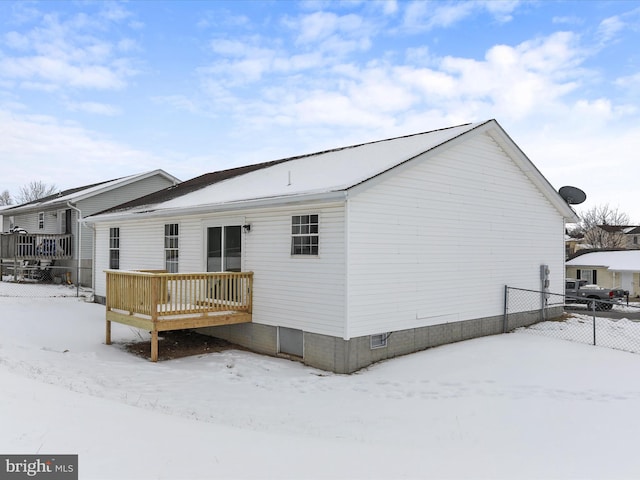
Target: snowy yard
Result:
[509, 406]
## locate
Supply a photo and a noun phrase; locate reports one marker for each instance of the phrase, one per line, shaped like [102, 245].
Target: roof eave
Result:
[128, 215]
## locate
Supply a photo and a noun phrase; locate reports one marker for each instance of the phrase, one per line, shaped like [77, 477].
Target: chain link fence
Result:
[40, 282]
[611, 323]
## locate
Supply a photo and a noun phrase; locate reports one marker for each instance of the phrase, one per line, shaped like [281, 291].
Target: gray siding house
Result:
[50, 226]
[360, 253]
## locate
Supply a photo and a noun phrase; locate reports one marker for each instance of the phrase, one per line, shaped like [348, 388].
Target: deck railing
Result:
[35, 246]
[156, 294]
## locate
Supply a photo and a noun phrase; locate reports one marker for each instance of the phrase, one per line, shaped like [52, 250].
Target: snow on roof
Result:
[622, 260]
[318, 173]
[321, 175]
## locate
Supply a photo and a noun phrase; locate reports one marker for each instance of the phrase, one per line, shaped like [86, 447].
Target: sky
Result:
[523, 405]
[91, 91]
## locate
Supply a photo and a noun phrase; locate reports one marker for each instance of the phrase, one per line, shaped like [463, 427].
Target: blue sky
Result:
[95, 90]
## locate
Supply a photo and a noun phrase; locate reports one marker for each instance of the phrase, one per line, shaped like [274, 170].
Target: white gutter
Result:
[339, 195]
[78, 243]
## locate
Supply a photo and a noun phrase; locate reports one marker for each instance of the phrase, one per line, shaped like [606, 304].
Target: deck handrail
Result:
[158, 294]
[36, 246]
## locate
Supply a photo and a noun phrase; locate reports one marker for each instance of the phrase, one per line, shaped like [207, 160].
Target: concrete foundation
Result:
[347, 356]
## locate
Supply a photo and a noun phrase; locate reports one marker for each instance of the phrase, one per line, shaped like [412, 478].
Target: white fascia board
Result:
[332, 197]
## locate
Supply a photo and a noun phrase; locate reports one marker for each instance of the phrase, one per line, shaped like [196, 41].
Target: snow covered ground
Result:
[510, 406]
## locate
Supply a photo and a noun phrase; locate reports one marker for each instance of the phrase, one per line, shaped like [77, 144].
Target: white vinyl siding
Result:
[436, 241]
[299, 292]
[117, 196]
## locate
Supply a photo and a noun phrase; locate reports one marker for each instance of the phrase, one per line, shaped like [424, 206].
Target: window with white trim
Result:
[41, 220]
[171, 247]
[114, 248]
[304, 235]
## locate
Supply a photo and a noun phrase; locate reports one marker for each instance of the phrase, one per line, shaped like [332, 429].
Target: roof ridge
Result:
[63, 193]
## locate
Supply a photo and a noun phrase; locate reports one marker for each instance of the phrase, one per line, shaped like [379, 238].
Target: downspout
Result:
[78, 245]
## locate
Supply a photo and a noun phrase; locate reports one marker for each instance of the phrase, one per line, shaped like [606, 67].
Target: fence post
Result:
[505, 321]
[593, 308]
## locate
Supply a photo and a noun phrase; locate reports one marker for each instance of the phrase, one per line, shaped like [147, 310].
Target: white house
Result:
[54, 219]
[608, 269]
[358, 253]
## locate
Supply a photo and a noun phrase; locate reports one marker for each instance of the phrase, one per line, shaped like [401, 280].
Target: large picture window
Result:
[114, 248]
[304, 235]
[171, 247]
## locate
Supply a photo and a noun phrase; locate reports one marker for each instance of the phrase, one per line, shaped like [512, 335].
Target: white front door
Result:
[626, 281]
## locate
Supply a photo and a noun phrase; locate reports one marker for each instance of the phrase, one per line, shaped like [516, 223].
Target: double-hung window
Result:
[114, 248]
[304, 235]
[41, 221]
[171, 247]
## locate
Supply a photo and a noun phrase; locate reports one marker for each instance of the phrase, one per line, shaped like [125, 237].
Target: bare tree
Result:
[601, 225]
[5, 198]
[35, 190]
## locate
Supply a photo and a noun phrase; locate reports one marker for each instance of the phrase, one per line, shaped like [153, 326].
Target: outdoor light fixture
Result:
[247, 227]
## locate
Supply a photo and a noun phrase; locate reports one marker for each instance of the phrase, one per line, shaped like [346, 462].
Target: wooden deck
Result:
[157, 301]
[35, 246]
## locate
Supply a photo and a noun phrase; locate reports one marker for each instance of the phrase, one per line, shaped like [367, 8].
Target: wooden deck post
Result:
[108, 333]
[155, 281]
[154, 345]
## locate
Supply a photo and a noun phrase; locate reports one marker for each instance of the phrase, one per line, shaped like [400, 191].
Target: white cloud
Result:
[332, 34]
[179, 102]
[60, 52]
[609, 28]
[114, 12]
[500, 10]
[424, 15]
[389, 7]
[567, 20]
[319, 26]
[94, 108]
[40, 147]
[56, 73]
[511, 82]
[631, 82]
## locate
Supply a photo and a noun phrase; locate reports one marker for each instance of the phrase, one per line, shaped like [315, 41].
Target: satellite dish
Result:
[572, 195]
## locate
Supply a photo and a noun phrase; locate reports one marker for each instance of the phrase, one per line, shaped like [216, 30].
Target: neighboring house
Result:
[612, 237]
[572, 244]
[358, 253]
[2, 208]
[52, 224]
[608, 269]
[632, 235]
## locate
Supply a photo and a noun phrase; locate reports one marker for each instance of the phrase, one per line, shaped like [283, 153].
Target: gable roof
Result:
[626, 229]
[86, 191]
[189, 186]
[617, 260]
[328, 174]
